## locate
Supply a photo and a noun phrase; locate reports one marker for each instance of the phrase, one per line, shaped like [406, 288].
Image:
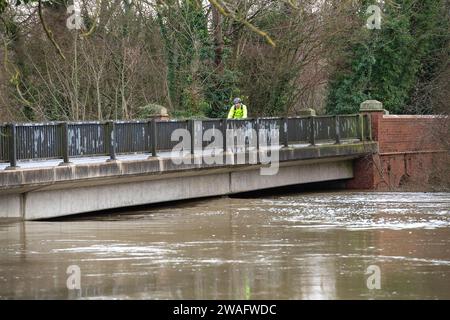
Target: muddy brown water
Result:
[292, 246]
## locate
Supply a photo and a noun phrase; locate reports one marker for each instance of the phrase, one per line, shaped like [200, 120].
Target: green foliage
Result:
[187, 114]
[386, 64]
[3, 5]
[195, 88]
[220, 89]
[184, 30]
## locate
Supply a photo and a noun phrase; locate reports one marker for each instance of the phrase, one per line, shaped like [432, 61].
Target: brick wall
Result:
[413, 154]
[409, 133]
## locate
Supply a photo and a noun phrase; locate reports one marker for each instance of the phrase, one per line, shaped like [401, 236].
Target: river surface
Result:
[327, 245]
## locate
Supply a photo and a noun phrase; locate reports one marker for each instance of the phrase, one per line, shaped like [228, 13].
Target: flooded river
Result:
[291, 246]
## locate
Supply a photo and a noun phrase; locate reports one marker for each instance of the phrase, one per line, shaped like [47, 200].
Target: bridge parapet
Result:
[66, 140]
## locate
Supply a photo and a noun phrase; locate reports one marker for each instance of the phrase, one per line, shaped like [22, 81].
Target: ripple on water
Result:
[362, 211]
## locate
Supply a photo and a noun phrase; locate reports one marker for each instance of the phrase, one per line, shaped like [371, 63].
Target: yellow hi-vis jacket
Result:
[238, 113]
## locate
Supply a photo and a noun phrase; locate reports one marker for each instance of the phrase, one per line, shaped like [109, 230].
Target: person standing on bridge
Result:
[238, 110]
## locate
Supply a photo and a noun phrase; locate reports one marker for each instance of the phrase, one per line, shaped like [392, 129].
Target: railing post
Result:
[12, 142]
[312, 138]
[153, 137]
[369, 123]
[64, 132]
[285, 122]
[258, 142]
[224, 132]
[361, 127]
[191, 128]
[337, 129]
[111, 134]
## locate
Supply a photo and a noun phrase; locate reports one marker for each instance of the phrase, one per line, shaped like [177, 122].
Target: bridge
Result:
[57, 169]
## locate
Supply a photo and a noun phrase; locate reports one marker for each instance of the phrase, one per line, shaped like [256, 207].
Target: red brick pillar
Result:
[375, 110]
[365, 168]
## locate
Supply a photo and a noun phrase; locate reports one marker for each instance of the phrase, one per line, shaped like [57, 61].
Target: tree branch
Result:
[48, 32]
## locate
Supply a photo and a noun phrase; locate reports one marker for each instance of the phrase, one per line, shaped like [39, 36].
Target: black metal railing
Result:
[66, 140]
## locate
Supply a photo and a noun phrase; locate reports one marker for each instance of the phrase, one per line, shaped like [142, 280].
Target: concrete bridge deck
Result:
[42, 190]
